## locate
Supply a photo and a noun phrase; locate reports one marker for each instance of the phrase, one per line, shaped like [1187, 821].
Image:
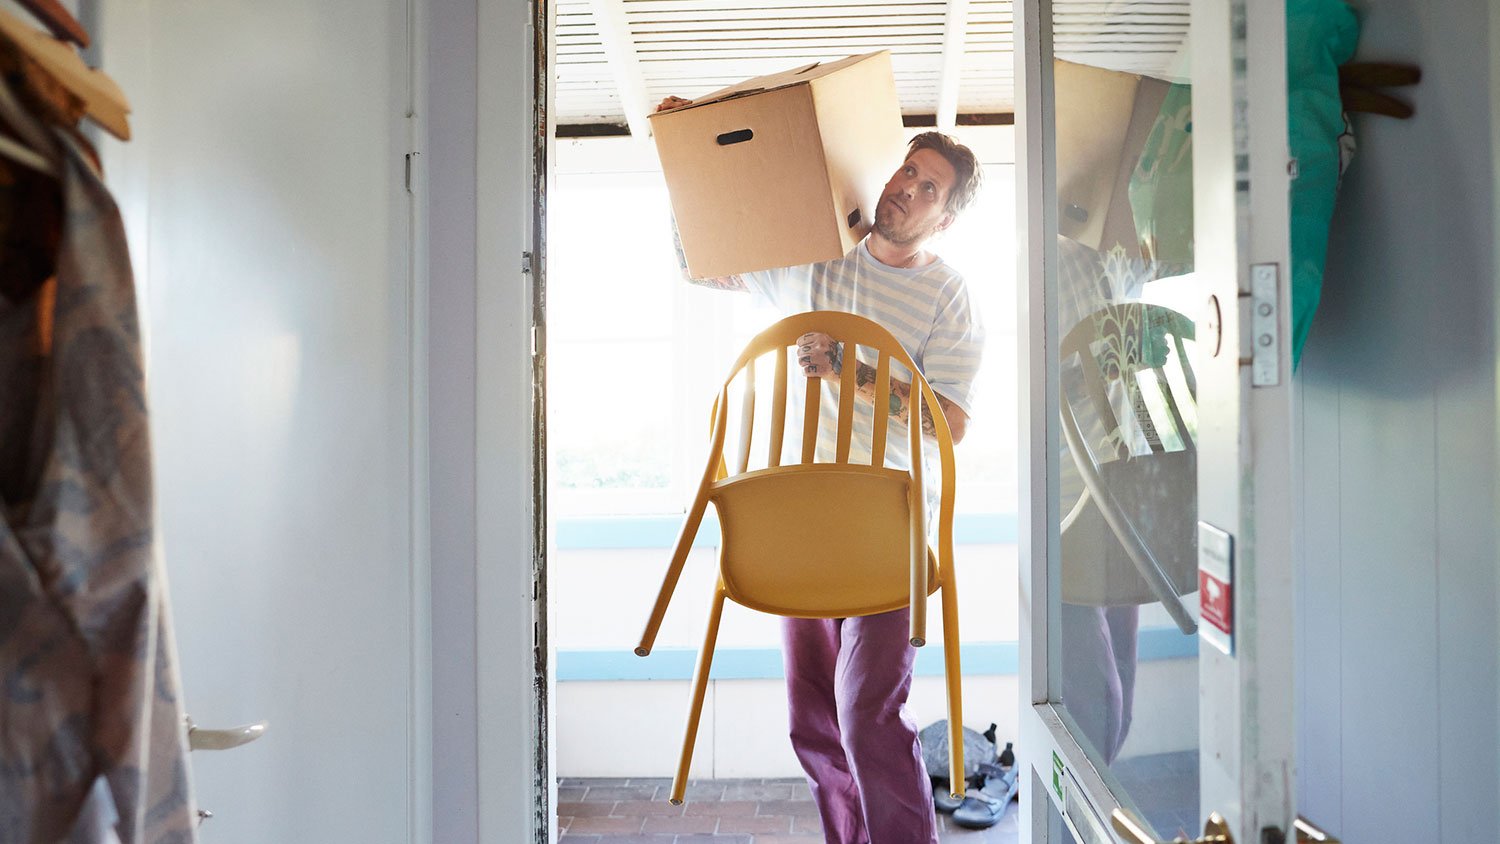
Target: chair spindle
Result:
[882, 411]
[747, 417]
[810, 420]
[778, 411]
[847, 388]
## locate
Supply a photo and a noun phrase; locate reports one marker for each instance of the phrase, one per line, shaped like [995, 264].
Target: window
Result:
[635, 354]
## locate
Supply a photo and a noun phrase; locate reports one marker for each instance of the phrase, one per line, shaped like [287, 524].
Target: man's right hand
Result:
[672, 102]
[820, 356]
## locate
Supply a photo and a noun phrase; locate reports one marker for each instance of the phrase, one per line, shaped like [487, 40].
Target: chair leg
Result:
[700, 685]
[680, 553]
[954, 675]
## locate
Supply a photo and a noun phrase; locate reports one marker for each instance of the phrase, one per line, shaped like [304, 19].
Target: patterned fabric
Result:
[926, 308]
[89, 692]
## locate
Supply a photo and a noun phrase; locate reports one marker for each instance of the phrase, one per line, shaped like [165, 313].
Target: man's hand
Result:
[820, 356]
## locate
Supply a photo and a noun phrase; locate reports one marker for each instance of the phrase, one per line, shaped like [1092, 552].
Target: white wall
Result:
[298, 353]
[264, 198]
[634, 728]
[1397, 596]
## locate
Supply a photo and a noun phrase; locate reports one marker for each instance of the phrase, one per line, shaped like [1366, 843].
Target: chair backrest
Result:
[826, 539]
[1132, 538]
[1122, 342]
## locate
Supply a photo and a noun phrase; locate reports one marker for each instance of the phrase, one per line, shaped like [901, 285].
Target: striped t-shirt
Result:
[927, 308]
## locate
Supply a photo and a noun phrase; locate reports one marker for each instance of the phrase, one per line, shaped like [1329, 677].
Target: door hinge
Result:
[1265, 325]
[410, 162]
[526, 262]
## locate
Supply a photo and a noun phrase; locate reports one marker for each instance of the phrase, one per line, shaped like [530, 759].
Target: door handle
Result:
[201, 739]
[1215, 830]
[1307, 833]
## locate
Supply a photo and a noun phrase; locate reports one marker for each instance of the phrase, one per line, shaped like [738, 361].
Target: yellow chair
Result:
[1131, 537]
[870, 537]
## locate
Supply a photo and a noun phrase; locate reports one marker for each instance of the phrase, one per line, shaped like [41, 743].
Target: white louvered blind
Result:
[690, 47]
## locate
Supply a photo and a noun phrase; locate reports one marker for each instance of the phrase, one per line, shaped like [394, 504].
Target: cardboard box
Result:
[781, 170]
[1103, 118]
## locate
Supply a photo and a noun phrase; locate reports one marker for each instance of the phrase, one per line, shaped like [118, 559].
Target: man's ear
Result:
[948, 218]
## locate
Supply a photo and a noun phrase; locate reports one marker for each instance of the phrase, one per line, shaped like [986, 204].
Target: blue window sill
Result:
[980, 659]
[599, 533]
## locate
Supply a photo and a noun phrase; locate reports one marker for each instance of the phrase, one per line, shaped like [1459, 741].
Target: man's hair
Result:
[966, 174]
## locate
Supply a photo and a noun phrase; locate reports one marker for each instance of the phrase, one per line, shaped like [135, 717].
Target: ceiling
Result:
[614, 59]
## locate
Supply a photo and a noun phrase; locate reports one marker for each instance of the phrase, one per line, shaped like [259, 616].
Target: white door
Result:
[264, 192]
[1157, 511]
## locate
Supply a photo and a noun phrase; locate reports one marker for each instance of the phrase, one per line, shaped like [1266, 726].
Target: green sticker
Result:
[1057, 775]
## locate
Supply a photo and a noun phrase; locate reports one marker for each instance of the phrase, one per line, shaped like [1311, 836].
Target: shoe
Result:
[942, 797]
[984, 807]
[979, 811]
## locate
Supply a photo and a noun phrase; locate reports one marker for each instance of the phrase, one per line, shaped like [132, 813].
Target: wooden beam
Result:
[620, 52]
[955, 26]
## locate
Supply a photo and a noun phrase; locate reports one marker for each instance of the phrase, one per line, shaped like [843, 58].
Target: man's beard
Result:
[899, 237]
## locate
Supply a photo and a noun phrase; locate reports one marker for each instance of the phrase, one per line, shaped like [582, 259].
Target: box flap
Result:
[772, 81]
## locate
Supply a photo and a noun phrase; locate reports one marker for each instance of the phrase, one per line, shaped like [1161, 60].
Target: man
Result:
[848, 679]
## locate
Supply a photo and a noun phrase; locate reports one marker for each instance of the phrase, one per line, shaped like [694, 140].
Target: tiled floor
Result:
[636, 811]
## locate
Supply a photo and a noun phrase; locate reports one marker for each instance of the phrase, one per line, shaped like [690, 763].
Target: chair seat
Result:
[793, 535]
[1156, 493]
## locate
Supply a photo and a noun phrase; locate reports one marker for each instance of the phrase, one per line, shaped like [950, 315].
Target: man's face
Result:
[912, 206]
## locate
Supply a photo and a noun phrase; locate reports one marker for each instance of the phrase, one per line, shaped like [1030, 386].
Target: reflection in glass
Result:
[1128, 463]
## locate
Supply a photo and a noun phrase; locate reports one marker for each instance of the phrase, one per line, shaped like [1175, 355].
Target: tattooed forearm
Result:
[728, 282]
[900, 403]
[864, 380]
[928, 426]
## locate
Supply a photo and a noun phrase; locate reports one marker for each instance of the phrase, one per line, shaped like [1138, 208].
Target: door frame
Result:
[514, 755]
[1246, 711]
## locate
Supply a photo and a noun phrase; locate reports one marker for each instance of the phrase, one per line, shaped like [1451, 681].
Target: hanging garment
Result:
[88, 696]
[1320, 36]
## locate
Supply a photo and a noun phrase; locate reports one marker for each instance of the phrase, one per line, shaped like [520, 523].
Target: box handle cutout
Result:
[854, 218]
[738, 136]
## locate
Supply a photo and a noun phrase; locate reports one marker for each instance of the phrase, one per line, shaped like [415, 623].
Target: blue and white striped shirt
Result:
[927, 308]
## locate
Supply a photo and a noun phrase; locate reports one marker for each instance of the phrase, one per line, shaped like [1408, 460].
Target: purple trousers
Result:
[847, 682]
[1098, 672]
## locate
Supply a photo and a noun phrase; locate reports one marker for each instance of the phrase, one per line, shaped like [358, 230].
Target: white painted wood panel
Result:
[451, 119]
[1319, 628]
[267, 168]
[1398, 414]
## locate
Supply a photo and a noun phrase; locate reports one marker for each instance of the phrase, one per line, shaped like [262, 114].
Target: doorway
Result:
[616, 491]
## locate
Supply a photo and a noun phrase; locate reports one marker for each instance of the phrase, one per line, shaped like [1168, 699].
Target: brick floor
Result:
[776, 811]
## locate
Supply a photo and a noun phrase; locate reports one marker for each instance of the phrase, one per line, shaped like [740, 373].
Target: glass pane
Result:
[1128, 466]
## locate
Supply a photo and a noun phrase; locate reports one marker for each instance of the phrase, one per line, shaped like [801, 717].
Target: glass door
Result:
[1152, 160]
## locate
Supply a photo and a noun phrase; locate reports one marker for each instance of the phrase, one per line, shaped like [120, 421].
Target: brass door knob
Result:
[1215, 830]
